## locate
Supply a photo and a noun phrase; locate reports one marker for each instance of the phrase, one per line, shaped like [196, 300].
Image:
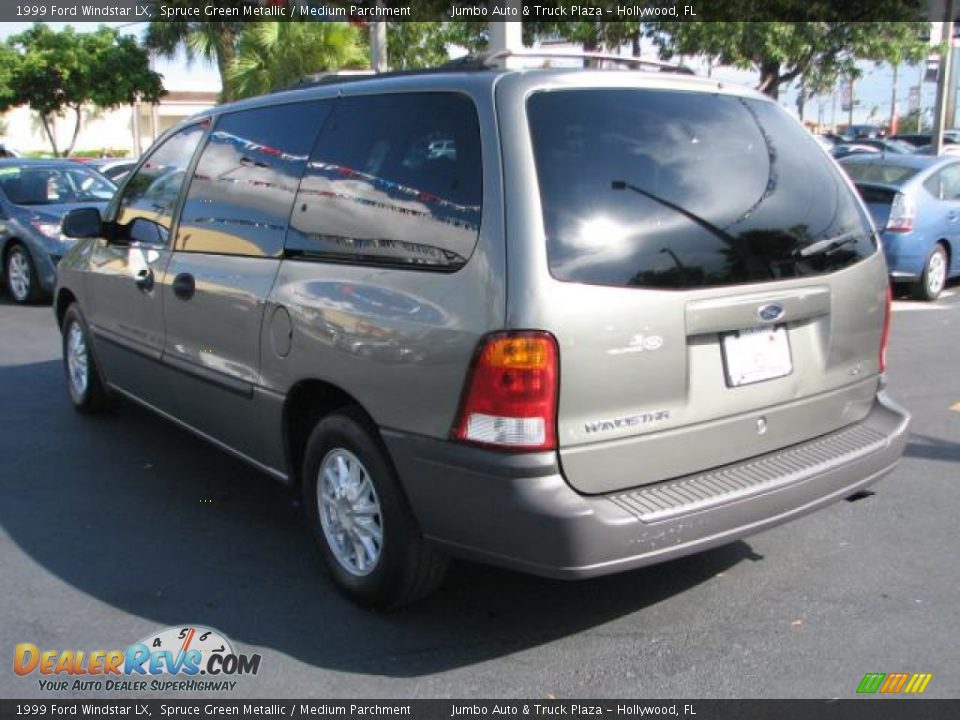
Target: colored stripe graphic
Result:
[918, 683]
[871, 682]
[893, 683]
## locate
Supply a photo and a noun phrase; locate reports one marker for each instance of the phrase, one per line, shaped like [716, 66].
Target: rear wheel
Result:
[934, 276]
[86, 390]
[360, 517]
[21, 275]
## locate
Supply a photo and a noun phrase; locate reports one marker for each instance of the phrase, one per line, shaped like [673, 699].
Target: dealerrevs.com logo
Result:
[188, 658]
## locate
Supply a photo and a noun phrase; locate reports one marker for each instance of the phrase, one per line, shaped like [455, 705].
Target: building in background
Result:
[127, 130]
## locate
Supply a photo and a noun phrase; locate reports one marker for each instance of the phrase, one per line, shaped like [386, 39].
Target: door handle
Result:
[184, 286]
[144, 279]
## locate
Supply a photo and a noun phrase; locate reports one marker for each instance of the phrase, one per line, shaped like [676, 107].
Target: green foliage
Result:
[105, 152]
[415, 45]
[54, 72]
[916, 121]
[474, 36]
[274, 55]
[424, 44]
[592, 35]
[784, 51]
[8, 64]
[213, 41]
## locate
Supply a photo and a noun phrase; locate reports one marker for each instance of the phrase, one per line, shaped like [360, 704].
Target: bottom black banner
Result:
[879, 709]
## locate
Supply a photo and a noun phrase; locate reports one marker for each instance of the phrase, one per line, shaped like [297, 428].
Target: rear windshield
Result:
[879, 173]
[667, 189]
[876, 195]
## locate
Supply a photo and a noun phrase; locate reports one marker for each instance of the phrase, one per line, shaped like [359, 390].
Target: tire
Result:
[369, 539]
[934, 276]
[84, 384]
[20, 275]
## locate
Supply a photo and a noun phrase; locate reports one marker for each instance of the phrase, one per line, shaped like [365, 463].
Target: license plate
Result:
[755, 354]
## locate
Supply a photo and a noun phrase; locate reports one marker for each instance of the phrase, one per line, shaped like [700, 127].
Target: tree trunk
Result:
[635, 44]
[802, 97]
[225, 59]
[770, 79]
[50, 136]
[78, 118]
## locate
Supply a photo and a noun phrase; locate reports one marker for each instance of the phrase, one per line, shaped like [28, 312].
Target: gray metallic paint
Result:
[407, 368]
[539, 524]
[834, 323]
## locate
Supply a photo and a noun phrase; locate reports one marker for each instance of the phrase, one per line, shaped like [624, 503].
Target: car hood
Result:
[59, 210]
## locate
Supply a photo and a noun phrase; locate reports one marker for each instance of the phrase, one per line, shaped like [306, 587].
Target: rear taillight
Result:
[902, 212]
[886, 331]
[510, 399]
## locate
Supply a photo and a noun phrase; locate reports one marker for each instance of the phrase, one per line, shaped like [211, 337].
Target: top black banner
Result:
[535, 11]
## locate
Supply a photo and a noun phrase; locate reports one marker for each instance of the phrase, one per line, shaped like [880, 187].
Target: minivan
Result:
[561, 320]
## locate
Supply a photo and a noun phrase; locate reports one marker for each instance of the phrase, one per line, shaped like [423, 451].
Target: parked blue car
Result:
[34, 197]
[915, 204]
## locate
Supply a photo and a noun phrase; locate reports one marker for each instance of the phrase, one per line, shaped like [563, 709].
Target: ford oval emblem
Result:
[770, 312]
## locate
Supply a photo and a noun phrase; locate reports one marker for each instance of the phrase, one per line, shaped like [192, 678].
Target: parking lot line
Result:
[900, 306]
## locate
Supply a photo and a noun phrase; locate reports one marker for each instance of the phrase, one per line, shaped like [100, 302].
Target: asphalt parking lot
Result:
[113, 527]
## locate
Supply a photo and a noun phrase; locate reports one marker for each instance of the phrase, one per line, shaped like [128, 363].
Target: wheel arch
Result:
[7, 246]
[307, 401]
[948, 248]
[65, 298]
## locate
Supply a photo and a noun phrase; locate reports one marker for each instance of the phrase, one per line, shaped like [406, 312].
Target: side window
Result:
[242, 191]
[394, 179]
[950, 183]
[152, 192]
[934, 185]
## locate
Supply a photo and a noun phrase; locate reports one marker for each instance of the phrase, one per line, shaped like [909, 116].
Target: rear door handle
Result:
[144, 279]
[184, 286]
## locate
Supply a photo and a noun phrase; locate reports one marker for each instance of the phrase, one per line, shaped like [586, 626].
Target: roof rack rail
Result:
[327, 78]
[497, 59]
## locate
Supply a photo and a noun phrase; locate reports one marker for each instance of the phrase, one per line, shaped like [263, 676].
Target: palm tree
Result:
[273, 55]
[214, 41]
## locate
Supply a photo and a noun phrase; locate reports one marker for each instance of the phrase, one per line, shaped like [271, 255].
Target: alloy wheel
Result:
[936, 273]
[350, 513]
[18, 275]
[78, 362]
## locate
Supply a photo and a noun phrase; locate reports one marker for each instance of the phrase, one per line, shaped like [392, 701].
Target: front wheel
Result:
[360, 517]
[86, 389]
[934, 276]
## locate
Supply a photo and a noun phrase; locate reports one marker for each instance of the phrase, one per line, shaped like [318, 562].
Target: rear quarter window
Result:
[670, 189]
[394, 179]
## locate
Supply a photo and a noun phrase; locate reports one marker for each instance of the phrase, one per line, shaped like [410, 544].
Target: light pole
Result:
[943, 80]
[508, 35]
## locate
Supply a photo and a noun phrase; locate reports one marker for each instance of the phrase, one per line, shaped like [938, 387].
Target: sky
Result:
[178, 74]
[873, 90]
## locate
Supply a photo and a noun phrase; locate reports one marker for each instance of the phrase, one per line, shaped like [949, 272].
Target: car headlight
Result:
[49, 229]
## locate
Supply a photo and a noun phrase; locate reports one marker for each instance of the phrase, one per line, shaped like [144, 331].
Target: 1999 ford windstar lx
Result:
[566, 321]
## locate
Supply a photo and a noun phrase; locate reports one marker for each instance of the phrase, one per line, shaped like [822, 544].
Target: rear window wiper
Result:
[705, 224]
[828, 245]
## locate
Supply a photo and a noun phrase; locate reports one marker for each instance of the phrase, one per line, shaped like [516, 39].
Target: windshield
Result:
[25, 185]
[669, 189]
[879, 173]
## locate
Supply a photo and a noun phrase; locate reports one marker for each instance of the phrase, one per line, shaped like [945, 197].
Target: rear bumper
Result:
[905, 254]
[517, 511]
[898, 275]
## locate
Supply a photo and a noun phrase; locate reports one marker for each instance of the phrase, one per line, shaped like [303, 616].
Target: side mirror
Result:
[82, 223]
